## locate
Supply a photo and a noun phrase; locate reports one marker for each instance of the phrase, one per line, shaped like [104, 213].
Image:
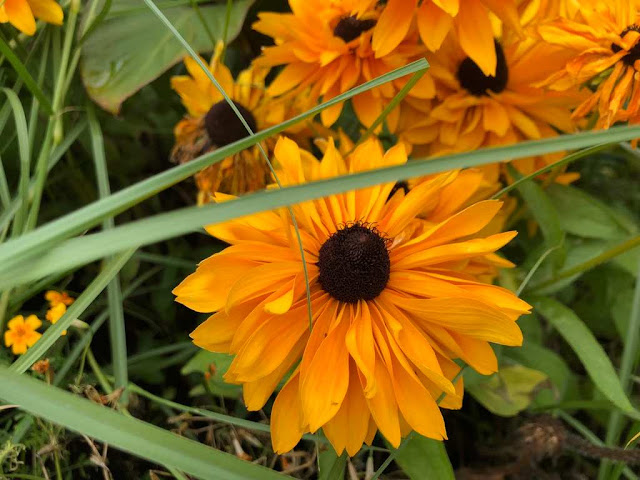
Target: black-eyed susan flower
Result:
[604, 37]
[326, 49]
[211, 123]
[474, 110]
[469, 19]
[22, 14]
[22, 333]
[394, 299]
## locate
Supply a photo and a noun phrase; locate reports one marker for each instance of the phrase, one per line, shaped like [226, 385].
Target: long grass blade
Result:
[117, 330]
[26, 77]
[37, 241]
[240, 117]
[25, 156]
[125, 432]
[79, 251]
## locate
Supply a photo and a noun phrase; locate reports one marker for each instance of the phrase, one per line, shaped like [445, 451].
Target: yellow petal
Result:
[20, 15]
[286, 417]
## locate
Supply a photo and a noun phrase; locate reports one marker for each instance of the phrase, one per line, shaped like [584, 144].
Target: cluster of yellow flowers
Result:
[400, 275]
[22, 333]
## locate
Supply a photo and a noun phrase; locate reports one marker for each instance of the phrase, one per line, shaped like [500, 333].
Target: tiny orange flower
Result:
[21, 333]
[55, 313]
[55, 298]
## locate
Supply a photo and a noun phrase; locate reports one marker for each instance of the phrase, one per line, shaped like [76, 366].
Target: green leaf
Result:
[331, 465]
[583, 215]
[507, 392]
[216, 364]
[125, 432]
[425, 459]
[543, 211]
[586, 347]
[129, 48]
[547, 361]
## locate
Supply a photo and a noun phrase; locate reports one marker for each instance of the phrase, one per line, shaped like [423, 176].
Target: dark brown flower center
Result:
[350, 28]
[474, 81]
[223, 125]
[354, 263]
[634, 54]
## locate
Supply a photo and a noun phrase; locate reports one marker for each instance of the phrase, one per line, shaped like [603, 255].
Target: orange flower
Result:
[604, 38]
[326, 49]
[22, 13]
[469, 19]
[58, 298]
[21, 333]
[394, 299]
[473, 110]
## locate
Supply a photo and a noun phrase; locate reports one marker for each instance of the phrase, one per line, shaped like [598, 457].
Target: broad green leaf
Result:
[586, 347]
[547, 361]
[583, 215]
[129, 48]
[544, 212]
[216, 364]
[425, 459]
[125, 432]
[507, 392]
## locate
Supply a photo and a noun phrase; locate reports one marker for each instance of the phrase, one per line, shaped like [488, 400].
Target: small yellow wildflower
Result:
[54, 298]
[21, 333]
[55, 313]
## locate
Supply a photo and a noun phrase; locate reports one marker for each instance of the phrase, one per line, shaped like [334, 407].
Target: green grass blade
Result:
[26, 77]
[25, 156]
[244, 122]
[625, 246]
[117, 329]
[586, 347]
[572, 157]
[124, 432]
[39, 240]
[85, 299]
[79, 251]
[73, 135]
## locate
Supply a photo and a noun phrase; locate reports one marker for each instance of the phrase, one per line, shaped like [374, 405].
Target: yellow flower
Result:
[55, 313]
[58, 298]
[211, 123]
[21, 333]
[394, 299]
[326, 48]
[21, 13]
[469, 19]
[473, 110]
[604, 38]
